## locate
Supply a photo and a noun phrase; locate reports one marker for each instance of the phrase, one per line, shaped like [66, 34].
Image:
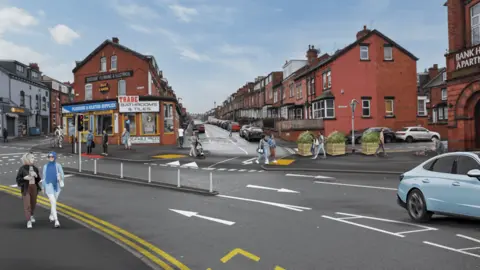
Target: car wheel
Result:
[416, 206]
[409, 139]
[435, 137]
[388, 139]
[358, 141]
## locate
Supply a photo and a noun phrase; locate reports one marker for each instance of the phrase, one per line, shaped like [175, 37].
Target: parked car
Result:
[388, 134]
[410, 134]
[235, 126]
[243, 130]
[253, 133]
[198, 126]
[358, 136]
[447, 184]
[225, 124]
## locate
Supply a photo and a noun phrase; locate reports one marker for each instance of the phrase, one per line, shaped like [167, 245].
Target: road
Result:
[276, 220]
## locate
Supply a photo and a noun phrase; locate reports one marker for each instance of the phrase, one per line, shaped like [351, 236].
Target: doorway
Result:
[477, 125]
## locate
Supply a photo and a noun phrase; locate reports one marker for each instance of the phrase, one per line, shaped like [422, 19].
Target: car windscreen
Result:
[403, 129]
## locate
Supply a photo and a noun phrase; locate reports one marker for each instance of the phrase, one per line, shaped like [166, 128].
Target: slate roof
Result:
[14, 75]
[437, 80]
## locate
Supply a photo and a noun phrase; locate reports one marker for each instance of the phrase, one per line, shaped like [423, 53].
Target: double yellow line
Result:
[136, 243]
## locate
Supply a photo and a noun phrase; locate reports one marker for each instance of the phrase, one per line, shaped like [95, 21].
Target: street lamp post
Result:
[353, 105]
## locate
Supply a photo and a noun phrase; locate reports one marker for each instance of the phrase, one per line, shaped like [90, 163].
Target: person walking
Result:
[320, 145]
[89, 142]
[272, 147]
[5, 135]
[105, 142]
[230, 127]
[381, 144]
[126, 139]
[53, 181]
[28, 178]
[262, 150]
[180, 137]
[194, 144]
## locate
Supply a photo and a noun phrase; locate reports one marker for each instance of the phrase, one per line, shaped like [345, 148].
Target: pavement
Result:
[43, 247]
[274, 220]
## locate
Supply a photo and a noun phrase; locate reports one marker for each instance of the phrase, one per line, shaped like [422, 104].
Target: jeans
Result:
[53, 204]
[380, 146]
[265, 155]
[317, 150]
[105, 148]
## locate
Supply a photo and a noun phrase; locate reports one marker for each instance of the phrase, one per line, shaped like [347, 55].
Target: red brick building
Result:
[463, 74]
[112, 71]
[60, 93]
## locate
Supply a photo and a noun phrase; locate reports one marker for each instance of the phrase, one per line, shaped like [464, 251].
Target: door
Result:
[11, 126]
[477, 124]
[466, 190]
[45, 125]
[436, 185]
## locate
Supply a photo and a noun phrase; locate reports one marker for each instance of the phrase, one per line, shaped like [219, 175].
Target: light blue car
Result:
[447, 184]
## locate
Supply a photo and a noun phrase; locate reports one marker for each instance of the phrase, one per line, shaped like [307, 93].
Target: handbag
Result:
[59, 177]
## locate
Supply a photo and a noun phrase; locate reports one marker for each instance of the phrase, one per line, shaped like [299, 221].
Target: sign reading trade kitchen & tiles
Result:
[132, 104]
[467, 58]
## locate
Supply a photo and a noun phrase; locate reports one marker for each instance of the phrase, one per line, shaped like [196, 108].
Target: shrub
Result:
[305, 137]
[371, 137]
[336, 137]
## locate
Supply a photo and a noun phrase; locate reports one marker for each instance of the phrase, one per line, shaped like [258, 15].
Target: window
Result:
[299, 90]
[88, 92]
[54, 105]
[168, 126]
[44, 104]
[465, 164]
[122, 88]
[387, 52]
[298, 114]
[22, 98]
[34, 75]
[149, 123]
[389, 107]
[475, 24]
[104, 122]
[292, 93]
[444, 93]
[270, 93]
[20, 68]
[312, 86]
[442, 112]
[113, 62]
[103, 64]
[309, 89]
[324, 80]
[133, 126]
[363, 52]
[444, 164]
[421, 107]
[434, 115]
[324, 109]
[366, 108]
[329, 79]
[444, 75]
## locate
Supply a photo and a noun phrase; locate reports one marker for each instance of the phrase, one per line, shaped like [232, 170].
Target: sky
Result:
[208, 49]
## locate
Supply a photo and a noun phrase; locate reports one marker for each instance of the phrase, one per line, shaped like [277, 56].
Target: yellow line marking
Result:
[169, 156]
[146, 244]
[236, 251]
[283, 162]
[279, 268]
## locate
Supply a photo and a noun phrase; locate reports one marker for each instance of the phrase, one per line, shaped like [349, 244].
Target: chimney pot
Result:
[364, 27]
[115, 40]
[435, 66]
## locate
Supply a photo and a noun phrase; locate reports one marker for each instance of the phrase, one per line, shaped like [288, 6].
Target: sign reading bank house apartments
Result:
[467, 58]
[132, 104]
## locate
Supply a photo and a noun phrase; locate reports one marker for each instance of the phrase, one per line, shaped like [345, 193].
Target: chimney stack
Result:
[363, 32]
[312, 54]
[115, 40]
[433, 71]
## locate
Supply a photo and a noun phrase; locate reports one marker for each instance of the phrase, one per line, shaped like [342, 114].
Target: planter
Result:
[305, 149]
[336, 149]
[369, 148]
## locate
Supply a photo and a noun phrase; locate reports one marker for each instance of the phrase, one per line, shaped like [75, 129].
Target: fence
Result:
[301, 124]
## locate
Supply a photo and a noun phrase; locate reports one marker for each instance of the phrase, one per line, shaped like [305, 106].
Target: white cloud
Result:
[63, 34]
[190, 54]
[134, 11]
[185, 14]
[14, 19]
[9, 50]
[141, 29]
[41, 13]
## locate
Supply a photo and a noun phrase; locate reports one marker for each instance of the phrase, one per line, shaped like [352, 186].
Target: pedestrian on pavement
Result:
[28, 178]
[126, 139]
[5, 135]
[320, 145]
[230, 127]
[263, 150]
[53, 181]
[439, 147]
[194, 144]
[90, 143]
[381, 144]
[273, 145]
[313, 147]
[105, 142]
[180, 137]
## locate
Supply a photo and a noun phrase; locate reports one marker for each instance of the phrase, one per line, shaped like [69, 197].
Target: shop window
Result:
[389, 107]
[168, 126]
[22, 98]
[149, 124]
[104, 122]
[71, 126]
[133, 126]
[366, 108]
[122, 88]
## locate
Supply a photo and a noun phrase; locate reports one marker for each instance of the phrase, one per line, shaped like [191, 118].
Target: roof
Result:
[437, 80]
[101, 46]
[11, 74]
[343, 51]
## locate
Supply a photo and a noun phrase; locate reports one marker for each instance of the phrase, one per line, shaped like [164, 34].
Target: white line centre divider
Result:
[281, 205]
[353, 185]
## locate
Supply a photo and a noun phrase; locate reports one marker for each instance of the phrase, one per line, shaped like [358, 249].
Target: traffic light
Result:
[80, 122]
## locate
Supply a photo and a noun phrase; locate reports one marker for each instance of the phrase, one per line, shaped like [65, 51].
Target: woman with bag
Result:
[263, 150]
[53, 181]
[28, 179]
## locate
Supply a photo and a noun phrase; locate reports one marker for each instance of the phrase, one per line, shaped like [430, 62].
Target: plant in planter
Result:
[304, 143]
[336, 144]
[370, 142]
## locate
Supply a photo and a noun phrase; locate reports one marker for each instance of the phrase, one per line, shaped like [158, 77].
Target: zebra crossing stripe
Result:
[231, 170]
[221, 169]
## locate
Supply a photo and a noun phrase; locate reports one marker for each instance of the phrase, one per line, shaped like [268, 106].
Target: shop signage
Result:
[104, 87]
[132, 104]
[109, 76]
[467, 58]
[98, 106]
[145, 139]
[17, 110]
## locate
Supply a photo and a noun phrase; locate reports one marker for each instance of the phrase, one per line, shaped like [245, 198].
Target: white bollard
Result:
[211, 182]
[178, 178]
[149, 174]
[94, 166]
[121, 169]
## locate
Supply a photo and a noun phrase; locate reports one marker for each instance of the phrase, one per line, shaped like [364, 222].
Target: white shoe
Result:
[266, 162]
[29, 224]
[57, 224]
[257, 161]
[51, 218]
[32, 219]
[275, 161]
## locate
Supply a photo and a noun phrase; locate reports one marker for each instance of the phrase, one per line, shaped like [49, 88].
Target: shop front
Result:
[15, 120]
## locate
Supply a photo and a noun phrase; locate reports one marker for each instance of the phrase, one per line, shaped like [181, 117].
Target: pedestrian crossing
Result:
[193, 165]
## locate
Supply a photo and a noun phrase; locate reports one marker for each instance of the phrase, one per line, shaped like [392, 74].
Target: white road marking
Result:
[242, 170]
[452, 249]
[223, 161]
[353, 185]
[281, 205]
[208, 169]
[174, 163]
[195, 214]
[309, 176]
[190, 165]
[11, 154]
[468, 238]
[283, 190]
[246, 153]
[221, 169]
[248, 161]
[232, 170]
[11, 159]
[14, 185]
[363, 226]
[252, 171]
[68, 175]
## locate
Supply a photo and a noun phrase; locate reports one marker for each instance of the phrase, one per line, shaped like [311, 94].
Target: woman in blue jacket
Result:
[89, 142]
[53, 181]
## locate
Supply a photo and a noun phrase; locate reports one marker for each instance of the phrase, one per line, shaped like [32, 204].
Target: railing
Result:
[299, 124]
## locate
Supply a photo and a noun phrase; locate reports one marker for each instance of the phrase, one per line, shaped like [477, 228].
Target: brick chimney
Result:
[456, 24]
[312, 54]
[115, 40]
[363, 32]
[34, 66]
[433, 71]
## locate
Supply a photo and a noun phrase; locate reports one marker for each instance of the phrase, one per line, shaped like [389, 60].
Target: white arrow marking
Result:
[276, 189]
[14, 185]
[286, 206]
[174, 163]
[248, 161]
[190, 165]
[195, 214]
